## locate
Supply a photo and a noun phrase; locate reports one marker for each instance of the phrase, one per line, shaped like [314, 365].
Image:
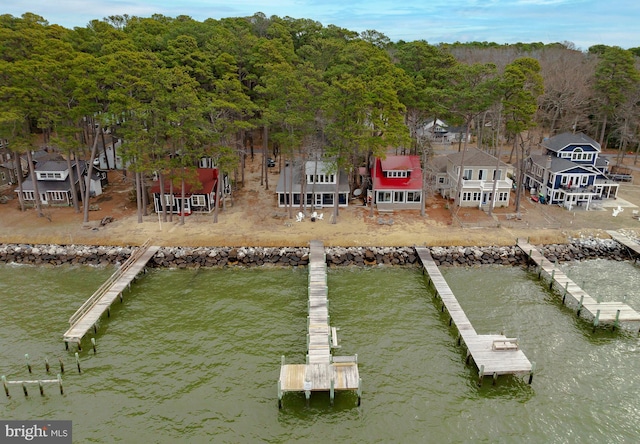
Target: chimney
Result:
[548, 165]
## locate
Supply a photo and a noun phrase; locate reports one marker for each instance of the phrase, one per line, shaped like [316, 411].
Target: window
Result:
[28, 195]
[398, 196]
[476, 195]
[58, 195]
[497, 174]
[384, 196]
[413, 196]
[440, 179]
[565, 180]
[503, 197]
[482, 174]
[466, 196]
[467, 174]
[396, 174]
[577, 154]
[168, 200]
[585, 179]
[198, 200]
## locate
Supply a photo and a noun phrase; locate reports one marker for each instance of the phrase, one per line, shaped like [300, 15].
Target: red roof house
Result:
[200, 195]
[397, 183]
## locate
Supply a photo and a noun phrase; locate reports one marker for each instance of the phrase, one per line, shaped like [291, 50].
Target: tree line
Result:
[176, 90]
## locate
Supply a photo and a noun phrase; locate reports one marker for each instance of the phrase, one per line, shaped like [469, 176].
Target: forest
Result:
[175, 90]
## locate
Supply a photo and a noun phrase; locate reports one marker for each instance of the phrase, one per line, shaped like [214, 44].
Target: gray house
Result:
[319, 185]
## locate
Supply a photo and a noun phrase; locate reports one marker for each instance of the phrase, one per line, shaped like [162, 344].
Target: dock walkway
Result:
[626, 241]
[87, 316]
[614, 313]
[322, 371]
[493, 354]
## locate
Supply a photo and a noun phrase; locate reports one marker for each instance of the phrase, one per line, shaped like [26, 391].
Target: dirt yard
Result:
[253, 219]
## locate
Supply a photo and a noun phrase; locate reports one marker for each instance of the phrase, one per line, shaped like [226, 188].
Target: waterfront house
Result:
[397, 183]
[569, 172]
[480, 172]
[54, 183]
[200, 193]
[320, 180]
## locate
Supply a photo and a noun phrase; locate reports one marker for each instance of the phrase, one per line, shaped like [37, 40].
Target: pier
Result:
[493, 355]
[611, 313]
[626, 241]
[322, 371]
[87, 316]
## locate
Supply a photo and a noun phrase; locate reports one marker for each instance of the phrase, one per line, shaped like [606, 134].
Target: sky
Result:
[582, 22]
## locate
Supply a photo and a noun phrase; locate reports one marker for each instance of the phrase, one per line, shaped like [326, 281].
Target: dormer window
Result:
[394, 174]
[49, 175]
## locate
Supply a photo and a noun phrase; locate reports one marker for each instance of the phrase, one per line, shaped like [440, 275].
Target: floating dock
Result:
[493, 355]
[87, 316]
[612, 313]
[322, 371]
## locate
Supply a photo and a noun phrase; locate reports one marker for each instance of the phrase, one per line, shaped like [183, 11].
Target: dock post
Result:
[580, 305]
[79, 344]
[540, 268]
[553, 275]
[95, 329]
[46, 365]
[109, 311]
[616, 322]
[530, 258]
[26, 356]
[359, 391]
[495, 377]
[41, 388]
[6, 386]
[66, 345]
[120, 296]
[533, 369]
[307, 390]
[356, 357]
[60, 384]
[480, 375]
[279, 394]
[466, 361]
[450, 321]
[331, 391]
[78, 363]
[93, 344]
[24, 389]
[61, 365]
[459, 338]
[596, 321]
[564, 294]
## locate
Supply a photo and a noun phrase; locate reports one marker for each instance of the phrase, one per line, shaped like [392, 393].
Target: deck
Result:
[322, 371]
[612, 313]
[87, 316]
[493, 355]
[626, 241]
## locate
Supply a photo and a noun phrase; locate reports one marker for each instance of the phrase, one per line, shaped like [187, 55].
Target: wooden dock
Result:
[611, 313]
[87, 316]
[626, 241]
[493, 355]
[322, 371]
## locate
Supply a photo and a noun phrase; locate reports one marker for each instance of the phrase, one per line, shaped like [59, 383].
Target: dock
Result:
[87, 316]
[610, 313]
[631, 244]
[493, 355]
[322, 371]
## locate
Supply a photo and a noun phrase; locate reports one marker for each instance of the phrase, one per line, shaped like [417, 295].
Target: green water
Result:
[194, 356]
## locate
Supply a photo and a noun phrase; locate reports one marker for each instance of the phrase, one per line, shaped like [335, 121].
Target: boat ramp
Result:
[322, 372]
[87, 316]
[493, 355]
[611, 313]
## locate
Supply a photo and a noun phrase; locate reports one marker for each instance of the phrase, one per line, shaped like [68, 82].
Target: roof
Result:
[558, 164]
[207, 181]
[475, 158]
[398, 163]
[53, 185]
[561, 141]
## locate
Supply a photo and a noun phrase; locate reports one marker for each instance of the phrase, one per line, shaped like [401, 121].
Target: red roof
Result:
[398, 163]
[207, 177]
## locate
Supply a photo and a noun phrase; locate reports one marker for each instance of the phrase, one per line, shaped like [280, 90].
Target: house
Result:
[440, 131]
[8, 171]
[569, 172]
[200, 195]
[320, 180]
[397, 183]
[480, 172]
[54, 184]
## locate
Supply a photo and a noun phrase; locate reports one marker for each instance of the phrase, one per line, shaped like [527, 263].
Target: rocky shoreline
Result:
[186, 257]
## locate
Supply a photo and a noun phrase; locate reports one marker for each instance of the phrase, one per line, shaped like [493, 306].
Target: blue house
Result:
[569, 172]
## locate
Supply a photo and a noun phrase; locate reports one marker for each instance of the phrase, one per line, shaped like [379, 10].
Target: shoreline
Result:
[218, 257]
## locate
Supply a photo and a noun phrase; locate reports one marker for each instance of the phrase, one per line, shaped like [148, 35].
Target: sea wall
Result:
[186, 257]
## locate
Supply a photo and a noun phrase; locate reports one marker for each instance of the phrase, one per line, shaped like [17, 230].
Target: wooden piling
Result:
[533, 368]
[46, 365]
[580, 305]
[553, 276]
[93, 344]
[480, 375]
[564, 294]
[61, 365]
[617, 321]
[359, 391]
[596, 321]
[78, 363]
[26, 356]
[41, 388]
[6, 386]
[60, 384]
[24, 389]
[332, 391]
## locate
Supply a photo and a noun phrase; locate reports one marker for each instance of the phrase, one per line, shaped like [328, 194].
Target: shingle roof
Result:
[475, 157]
[557, 143]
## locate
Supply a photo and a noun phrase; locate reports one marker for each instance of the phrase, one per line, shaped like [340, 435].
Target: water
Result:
[194, 356]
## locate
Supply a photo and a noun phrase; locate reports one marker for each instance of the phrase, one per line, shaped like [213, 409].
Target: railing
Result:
[104, 288]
